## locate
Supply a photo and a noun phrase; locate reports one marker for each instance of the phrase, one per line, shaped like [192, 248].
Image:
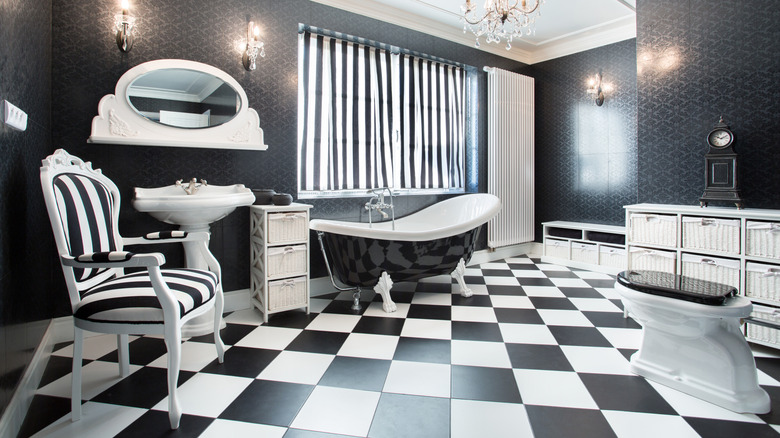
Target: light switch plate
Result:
[13, 116]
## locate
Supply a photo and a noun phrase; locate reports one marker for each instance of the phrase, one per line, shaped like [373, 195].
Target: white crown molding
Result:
[585, 39]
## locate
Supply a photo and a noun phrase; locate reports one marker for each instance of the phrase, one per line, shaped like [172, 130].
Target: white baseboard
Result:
[13, 416]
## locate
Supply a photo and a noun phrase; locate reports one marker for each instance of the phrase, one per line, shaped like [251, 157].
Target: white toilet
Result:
[691, 338]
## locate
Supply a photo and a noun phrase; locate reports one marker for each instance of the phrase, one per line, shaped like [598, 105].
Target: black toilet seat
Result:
[677, 287]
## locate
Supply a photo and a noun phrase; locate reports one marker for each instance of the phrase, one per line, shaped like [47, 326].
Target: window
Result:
[370, 118]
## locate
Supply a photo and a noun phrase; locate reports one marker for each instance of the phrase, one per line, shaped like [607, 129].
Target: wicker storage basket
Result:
[654, 229]
[653, 260]
[763, 239]
[287, 293]
[718, 270]
[556, 248]
[762, 281]
[584, 252]
[286, 261]
[612, 257]
[762, 333]
[287, 227]
[711, 234]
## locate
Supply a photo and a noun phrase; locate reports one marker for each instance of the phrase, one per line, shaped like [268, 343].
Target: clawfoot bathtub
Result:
[437, 240]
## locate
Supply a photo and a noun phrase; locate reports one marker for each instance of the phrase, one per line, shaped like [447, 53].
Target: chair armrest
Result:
[113, 259]
[173, 236]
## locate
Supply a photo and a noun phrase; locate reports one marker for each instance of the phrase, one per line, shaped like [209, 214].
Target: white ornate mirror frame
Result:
[117, 121]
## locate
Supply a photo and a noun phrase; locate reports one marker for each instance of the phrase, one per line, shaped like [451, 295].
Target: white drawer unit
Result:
[738, 247]
[595, 247]
[279, 265]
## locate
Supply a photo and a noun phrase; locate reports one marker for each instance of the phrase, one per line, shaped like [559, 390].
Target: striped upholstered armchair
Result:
[83, 207]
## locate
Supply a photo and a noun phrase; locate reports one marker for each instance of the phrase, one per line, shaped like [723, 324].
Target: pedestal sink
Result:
[193, 207]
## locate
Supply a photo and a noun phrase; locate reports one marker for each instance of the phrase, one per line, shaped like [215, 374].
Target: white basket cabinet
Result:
[582, 245]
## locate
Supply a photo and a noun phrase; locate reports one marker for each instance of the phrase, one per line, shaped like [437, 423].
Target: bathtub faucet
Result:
[377, 202]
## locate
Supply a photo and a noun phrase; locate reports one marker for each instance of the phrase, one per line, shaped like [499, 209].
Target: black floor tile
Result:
[557, 422]
[474, 279]
[611, 319]
[300, 433]
[423, 350]
[770, 366]
[523, 266]
[627, 352]
[561, 274]
[141, 389]
[268, 402]
[474, 300]
[501, 289]
[356, 373]
[294, 319]
[552, 303]
[444, 288]
[584, 336]
[773, 417]
[580, 292]
[538, 357]
[344, 307]
[518, 316]
[379, 326]
[313, 341]
[625, 393]
[156, 424]
[486, 384]
[711, 428]
[533, 281]
[600, 283]
[400, 415]
[57, 367]
[497, 272]
[476, 331]
[143, 351]
[242, 362]
[425, 311]
[618, 303]
[43, 410]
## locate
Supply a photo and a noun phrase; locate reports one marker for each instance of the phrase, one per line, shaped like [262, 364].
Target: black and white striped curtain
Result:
[432, 124]
[345, 115]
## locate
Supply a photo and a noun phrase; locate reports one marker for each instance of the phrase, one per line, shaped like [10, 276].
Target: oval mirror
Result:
[183, 98]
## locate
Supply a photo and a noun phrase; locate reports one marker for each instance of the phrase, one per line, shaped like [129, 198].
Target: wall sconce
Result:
[124, 28]
[598, 88]
[253, 48]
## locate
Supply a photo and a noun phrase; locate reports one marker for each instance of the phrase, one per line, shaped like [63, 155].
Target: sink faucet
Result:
[192, 187]
[377, 202]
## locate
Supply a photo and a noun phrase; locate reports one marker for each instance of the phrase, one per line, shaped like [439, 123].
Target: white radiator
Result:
[510, 105]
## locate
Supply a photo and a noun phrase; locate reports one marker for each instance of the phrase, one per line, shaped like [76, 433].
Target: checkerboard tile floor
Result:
[539, 350]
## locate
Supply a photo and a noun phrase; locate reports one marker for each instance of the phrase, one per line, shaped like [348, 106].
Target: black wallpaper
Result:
[698, 60]
[28, 268]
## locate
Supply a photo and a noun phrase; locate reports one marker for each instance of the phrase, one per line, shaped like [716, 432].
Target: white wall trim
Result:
[13, 417]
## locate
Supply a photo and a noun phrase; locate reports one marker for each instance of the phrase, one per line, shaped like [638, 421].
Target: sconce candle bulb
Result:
[254, 47]
[598, 88]
[124, 23]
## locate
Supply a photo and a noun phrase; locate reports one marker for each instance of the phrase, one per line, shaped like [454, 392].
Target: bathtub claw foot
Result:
[459, 275]
[356, 301]
[383, 288]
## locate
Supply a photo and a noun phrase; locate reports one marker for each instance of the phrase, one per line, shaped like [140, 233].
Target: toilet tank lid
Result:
[677, 286]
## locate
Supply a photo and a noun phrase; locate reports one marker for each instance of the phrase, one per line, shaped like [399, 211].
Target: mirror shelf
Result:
[118, 122]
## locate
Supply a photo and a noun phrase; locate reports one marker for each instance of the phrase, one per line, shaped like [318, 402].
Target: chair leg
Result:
[75, 391]
[123, 348]
[173, 343]
[218, 308]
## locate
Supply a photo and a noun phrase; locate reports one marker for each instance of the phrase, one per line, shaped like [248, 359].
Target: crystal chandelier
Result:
[506, 19]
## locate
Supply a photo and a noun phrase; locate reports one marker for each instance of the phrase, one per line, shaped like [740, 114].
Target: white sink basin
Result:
[171, 204]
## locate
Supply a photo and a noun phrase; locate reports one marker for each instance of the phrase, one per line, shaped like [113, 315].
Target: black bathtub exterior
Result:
[360, 261]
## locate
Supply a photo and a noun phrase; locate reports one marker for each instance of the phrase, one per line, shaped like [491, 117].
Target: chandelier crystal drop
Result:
[501, 19]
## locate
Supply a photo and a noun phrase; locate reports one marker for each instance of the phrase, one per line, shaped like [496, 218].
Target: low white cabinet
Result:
[725, 245]
[279, 259]
[583, 245]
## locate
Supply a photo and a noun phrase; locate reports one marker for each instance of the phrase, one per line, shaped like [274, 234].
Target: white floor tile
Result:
[528, 273]
[476, 289]
[527, 334]
[427, 328]
[543, 291]
[690, 406]
[553, 388]
[608, 292]
[511, 302]
[473, 272]
[375, 309]
[592, 275]
[622, 338]
[641, 425]
[435, 299]
[333, 322]
[418, 378]
[369, 346]
[96, 377]
[597, 360]
[95, 346]
[272, 338]
[595, 305]
[471, 419]
[480, 354]
[98, 420]
[338, 410]
[207, 394]
[501, 281]
[473, 314]
[569, 282]
[251, 316]
[551, 267]
[494, 265]
[194, 356]
[297, 367]
[317, 305]
[766, 379]
[518, 260]
[227, 428]
[564, 317]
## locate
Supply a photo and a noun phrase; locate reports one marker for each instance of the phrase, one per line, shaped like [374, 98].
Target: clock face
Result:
[720, 138]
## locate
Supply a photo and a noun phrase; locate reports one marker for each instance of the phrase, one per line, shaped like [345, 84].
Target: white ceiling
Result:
[564, 27]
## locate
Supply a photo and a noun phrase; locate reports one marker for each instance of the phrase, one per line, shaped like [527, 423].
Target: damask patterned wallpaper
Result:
[698, 60]
[87, 64]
